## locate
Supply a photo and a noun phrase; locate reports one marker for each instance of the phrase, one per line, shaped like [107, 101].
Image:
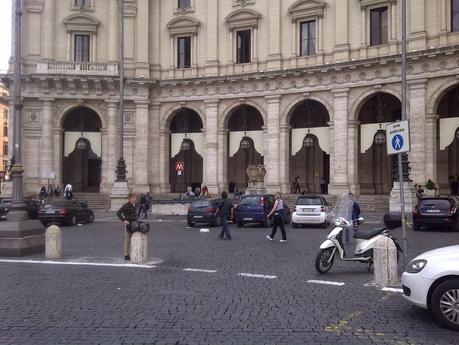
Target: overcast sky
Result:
[5, 33]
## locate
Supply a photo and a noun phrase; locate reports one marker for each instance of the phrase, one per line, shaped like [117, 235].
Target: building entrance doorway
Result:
[82, 156]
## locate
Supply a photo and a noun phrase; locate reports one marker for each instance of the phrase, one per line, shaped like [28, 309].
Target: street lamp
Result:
[121, 167]
[245, 143]
[308, 141]
[380, 137]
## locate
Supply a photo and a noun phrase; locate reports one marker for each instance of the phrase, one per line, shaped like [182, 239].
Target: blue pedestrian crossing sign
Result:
[398, 137]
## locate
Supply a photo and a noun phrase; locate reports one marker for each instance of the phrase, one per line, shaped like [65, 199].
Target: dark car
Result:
[254, 208]
[438, 212]
[202, 211]
[69, 212]
[31, 207]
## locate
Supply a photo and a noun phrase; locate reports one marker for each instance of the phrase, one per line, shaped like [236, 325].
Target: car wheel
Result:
[91, 218]
[294, 225]
[74, 220]
[445, 303]
[240, 224]
[416, 227]
[217, 222]
[190, 224]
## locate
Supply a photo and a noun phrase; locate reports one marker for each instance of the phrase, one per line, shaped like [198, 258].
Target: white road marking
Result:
[325, 282]
[392, 290]
[75, 263]
[252, 275]
[199, 270]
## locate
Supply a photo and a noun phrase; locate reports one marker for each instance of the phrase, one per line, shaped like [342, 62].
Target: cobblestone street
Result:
[199, 289]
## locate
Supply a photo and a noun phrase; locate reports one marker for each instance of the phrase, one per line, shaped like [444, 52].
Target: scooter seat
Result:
[366, 235]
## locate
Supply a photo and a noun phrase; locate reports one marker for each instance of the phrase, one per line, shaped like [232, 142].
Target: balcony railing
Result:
[80, 68]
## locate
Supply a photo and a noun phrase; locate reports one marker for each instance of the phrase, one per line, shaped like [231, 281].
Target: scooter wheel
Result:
[324, 260]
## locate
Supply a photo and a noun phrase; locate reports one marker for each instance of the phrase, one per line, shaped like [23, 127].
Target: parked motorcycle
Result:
[366, 239]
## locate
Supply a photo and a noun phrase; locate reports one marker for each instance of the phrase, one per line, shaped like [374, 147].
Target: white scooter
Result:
[366, 241]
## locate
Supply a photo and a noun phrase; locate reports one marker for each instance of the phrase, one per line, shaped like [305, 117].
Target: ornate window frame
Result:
[184, 10]
[87, 8]
[81, 24]
[182, 27]
[304, 11]
[239, 20]
[366, 6]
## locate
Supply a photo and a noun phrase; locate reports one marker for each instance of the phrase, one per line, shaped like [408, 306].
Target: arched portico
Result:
[375, 172]
[310, 146]
[82, 149]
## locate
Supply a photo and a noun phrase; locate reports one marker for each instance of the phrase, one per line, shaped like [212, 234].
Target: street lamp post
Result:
[18, 235]
[121, 168]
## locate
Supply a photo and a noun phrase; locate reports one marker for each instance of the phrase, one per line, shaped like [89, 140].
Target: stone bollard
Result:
[139, 244]
[53, 240]
[385, 262]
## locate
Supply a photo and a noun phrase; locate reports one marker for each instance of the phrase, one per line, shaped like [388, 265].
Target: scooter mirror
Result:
[361, 220]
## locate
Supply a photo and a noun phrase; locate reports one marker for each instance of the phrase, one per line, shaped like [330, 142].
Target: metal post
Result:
[121, 168]
[400, 168]
[17, 212]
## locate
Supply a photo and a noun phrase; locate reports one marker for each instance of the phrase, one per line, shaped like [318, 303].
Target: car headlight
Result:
[416, 266]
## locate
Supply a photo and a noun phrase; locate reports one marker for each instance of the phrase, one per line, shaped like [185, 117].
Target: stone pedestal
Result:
[255, 188]
[385, 262]
[119, 195]
[53, 249]
[256, 174]
[139, 244]
[21, 237]
[7, 190]
[394, 201]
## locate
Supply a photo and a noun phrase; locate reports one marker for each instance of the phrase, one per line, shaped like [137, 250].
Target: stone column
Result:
[46, 141]
[112, 34]
[284, 159]
[212, 37]
[417, 25]
[353, 156]
[272, 181]
[57, 160]
[112, 141]
[338, 136]
[431, 148]
[341, 50]
[417, 117]
[153, 142]
[142, 67]
[164, 160]
[222, 166]
[211, 163]
[141, 148]
[274, 57]
[48, 30]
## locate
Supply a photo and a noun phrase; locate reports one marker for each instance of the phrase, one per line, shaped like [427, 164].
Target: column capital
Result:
[155, 105]
[417, 83]
[142, 103]
[222, 130]
[340, 92]
[353, 124]
[46, 99]
[211, 102]
[111, 103]
[273, 99]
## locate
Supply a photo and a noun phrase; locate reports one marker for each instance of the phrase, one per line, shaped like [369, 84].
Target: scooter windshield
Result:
[343, 207]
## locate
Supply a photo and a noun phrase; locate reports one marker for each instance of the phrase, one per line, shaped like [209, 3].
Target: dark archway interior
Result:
[375, 166]
[186, 121]
[311, 164]
[448, 159]
[82, 167]
[243, 118]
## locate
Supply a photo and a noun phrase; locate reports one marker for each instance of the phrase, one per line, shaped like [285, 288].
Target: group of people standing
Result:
[198, 192]
[49, 192]
[297, 186]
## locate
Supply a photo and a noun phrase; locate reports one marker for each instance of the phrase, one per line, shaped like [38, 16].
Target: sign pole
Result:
[400, 167]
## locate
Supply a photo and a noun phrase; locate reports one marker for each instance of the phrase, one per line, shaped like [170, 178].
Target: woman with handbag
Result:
[278, 215]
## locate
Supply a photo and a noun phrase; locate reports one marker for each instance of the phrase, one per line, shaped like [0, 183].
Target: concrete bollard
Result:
[385, 262]
[139, 244]
[53, 240]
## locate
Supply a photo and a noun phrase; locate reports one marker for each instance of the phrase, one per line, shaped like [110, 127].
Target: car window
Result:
[309, 201]
[435, 203]
[269, 200]
[250, 200]
[200, 203]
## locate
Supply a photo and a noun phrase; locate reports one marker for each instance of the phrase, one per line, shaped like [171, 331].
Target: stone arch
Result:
[364, 97]
[228, 111]
[291, 106]
[167, 117]
[439, 93]
[66, 109]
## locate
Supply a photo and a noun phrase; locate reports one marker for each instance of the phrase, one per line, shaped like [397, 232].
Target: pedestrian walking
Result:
[277, 214]
[323, 186]
[419, 192]
[128, 214]
[224, 210]
[68, 192]
[145, 202]
[355, 214]
[42, 194]
[296, 185]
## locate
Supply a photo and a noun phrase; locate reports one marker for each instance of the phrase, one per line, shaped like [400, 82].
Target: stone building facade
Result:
[4, 120]
[305, 87]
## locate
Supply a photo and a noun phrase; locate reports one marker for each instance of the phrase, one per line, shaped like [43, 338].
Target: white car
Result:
[311, 209]
[431, 281]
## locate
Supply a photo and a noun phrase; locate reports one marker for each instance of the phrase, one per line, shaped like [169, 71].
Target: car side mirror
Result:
[361, 220]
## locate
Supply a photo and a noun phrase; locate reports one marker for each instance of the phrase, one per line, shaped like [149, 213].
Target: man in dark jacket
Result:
[224, 210]
[128, 214]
